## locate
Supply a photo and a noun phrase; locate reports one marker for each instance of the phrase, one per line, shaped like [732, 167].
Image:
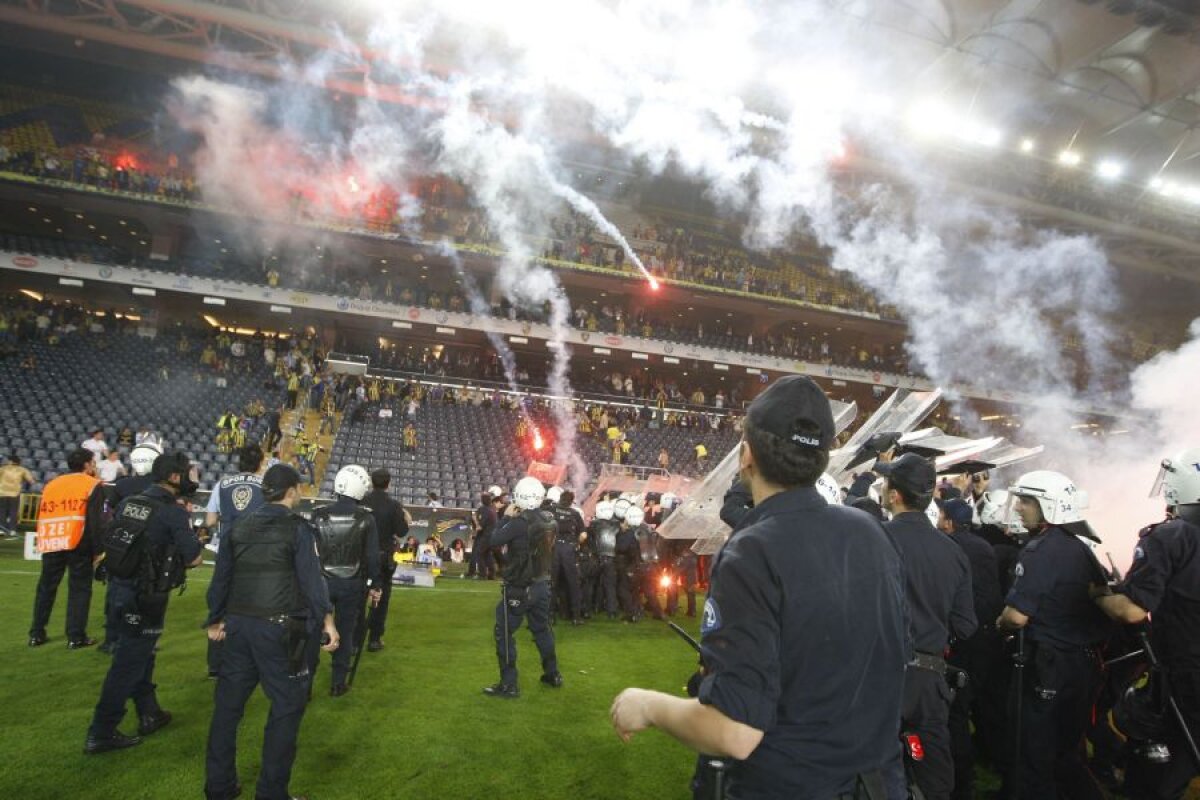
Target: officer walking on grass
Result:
[267, 598]
[529, 537]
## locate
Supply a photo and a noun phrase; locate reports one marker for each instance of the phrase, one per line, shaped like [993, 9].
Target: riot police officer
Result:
[686, 566]
[139, 601]
[1049, 602]
[141, 461]
[348, 544]
[391, 525]
[266, 601]
[803, 636]
[529, 537]
[941, 605]
[234, 496]
[1164, 580]
[603, 539]
[645, 590]
[628, 562]
[565, 570]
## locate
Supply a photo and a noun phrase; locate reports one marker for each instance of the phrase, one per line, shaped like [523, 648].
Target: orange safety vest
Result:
[62, 512]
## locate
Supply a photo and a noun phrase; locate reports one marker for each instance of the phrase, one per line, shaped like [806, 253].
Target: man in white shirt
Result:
[97, 445]
[111, 467]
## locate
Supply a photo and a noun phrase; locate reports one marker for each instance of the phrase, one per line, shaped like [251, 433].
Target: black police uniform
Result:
[1165, 580]
[941, 604]
[736, 503]
[234, 497]
[603, 539]
[648, 572]
[483, 565]
[141, 613]
[1060, 682]
[628, 564]
[391, 528]
[979, 656]
[123, 487]
[349, 548]
[526, 591]
[804, 638]
[686, 567]
[269, 591]
[565, 571]
[588, 564]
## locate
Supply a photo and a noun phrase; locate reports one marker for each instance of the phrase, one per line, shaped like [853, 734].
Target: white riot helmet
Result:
[529, 493]
[668, 501]
[352, 481]
[827, 487]
[1061, 502]
[496, 492]
[996, 512]
[621, 508]
[141, 458]
[553, 494]
[634, 517]
[604, 509]
[1179, 479]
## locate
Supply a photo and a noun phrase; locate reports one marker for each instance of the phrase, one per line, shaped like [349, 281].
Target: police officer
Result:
[1049, 602]
[349, 546]
[483, 564]
[977, 656]
[648, 572]
[627, 563]
[589, 568]
[603, 538]
[803, 635]
[940, 601]
[141, 461]
[529, 536]
[234, 496]
[565, 570]
[391, 525]
[141, 605]
[1164, 580]
[267, 598]
[68, 544]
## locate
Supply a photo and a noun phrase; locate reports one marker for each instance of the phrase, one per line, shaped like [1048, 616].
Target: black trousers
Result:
[926, 712]
[255, 652]
[8, 512]
[1056, 699]
[482, 563]
[565, 574]
[648, 576]
[378, 617]
[348, 596]
[139, 623]
[627, 587]
[606, 586]
[518, 603]
[688, 572]
[1169, 781]
[79, 592]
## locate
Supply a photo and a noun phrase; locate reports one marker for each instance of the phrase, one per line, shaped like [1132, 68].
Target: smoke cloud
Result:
[760, 106]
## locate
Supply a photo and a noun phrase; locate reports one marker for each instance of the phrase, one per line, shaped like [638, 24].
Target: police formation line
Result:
[848, 644]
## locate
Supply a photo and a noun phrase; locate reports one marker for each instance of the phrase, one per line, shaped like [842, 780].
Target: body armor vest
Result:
[341, 541]
[264, 573]
[605, 537]
[532, 563]
[648, 543]
[568, 524]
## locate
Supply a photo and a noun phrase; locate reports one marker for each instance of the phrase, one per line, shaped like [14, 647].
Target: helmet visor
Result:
[1160, 481]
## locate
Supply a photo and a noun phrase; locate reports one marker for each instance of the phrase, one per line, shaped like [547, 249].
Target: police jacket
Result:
[1165, 580]
[629, 553]
[737, 503]
[530, 540]
[169, 528]
[985, 576]
[804, 637]
[648, 542]
[1053, 579]
[233, 496]
[603, 537]
[347, 540]
[570, 524]
[937, 578]
[130, 485]
[268, 567]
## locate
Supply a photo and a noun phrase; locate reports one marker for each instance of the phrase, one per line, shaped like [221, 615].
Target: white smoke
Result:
[759, 104]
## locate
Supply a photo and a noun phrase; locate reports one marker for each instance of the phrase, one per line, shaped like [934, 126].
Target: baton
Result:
[687, 637]
[1019, 668]
[1125, 657]
[363, 623]
[1154, 664]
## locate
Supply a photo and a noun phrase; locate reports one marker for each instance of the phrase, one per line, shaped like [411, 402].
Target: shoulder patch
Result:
[1138, 553]
[1020, 569]
[711, 620]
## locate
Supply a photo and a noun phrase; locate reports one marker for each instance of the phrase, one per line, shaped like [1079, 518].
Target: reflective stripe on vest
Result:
[62, 512]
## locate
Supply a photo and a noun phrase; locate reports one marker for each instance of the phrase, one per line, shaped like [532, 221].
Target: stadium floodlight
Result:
[931, 119]
[1069, 158]
[1110, 170]
[214, 301]
[1157, 184]
[1028, 145]
[144, 292]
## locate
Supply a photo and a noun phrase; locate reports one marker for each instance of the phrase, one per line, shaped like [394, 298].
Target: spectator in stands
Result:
[433, 500]
[458, 551]
[701, 457]
[68, 541]
[125, 438]
[111, 467]
[410, 438]
[96, 446]
[14, 478]
[664, 459]
[293, 389]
